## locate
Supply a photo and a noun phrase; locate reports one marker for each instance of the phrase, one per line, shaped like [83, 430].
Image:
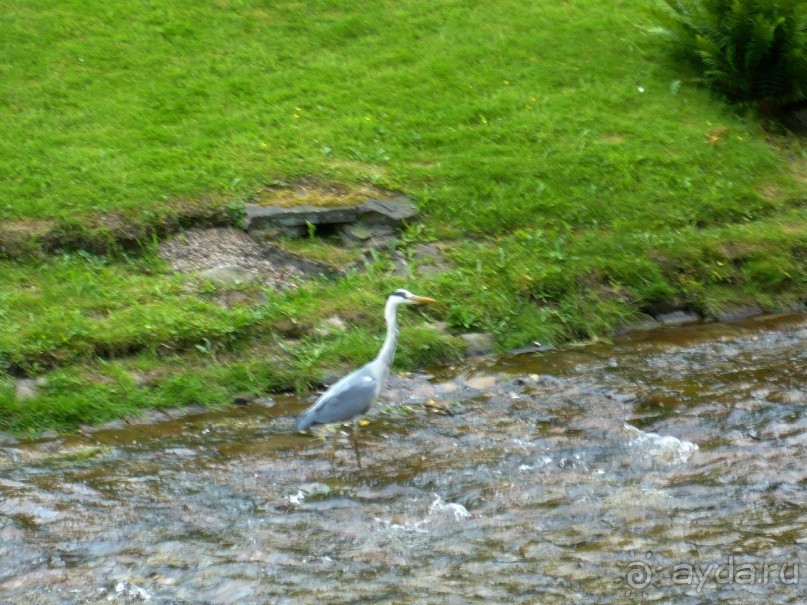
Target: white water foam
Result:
[450, 509]
[660, 448]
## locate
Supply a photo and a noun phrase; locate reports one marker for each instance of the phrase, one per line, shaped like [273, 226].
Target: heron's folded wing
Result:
[352, 396]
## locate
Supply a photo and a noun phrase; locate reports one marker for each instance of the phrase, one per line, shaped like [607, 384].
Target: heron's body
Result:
[351, 396]
[354, 395]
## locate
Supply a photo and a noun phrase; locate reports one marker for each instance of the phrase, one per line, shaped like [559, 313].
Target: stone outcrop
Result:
[373, 223]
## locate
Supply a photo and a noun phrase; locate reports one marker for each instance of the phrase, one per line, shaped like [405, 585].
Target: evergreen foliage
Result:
[748, 50]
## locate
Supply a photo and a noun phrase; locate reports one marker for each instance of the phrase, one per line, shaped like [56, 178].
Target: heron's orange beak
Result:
[423, 300]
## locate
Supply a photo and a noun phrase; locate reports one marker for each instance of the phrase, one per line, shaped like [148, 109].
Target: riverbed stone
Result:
[315, 489]
[265, 402]
[409, 389]
[741, 312]
[677, 318]
[788, 396]
[33, 511]
[243, 398]
[643, 321]
[112, 425]
[479, 343]
[481, 382]
[8, 439]
[535, 347]
[131, 592]
[230, 591]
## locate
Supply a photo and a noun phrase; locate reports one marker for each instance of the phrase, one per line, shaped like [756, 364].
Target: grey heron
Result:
[354, 394]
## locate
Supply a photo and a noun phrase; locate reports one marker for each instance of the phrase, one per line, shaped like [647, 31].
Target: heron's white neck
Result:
[388, 348]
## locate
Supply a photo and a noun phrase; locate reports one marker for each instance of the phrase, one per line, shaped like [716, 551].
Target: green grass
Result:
[573, 172]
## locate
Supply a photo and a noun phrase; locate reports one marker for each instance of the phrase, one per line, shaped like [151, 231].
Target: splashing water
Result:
[663, 449]
[563, 477]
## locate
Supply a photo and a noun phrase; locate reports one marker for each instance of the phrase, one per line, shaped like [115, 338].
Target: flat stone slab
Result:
[264, 217]
[392, 212]
[388, 212]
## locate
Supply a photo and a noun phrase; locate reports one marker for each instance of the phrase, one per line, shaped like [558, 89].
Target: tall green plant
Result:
[749, 50]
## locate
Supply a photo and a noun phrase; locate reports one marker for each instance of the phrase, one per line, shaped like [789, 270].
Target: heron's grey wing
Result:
[349, 397]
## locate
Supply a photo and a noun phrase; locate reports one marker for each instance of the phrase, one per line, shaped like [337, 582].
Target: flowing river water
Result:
[669, 465]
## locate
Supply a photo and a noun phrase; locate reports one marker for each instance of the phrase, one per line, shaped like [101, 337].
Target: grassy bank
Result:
[575, 175]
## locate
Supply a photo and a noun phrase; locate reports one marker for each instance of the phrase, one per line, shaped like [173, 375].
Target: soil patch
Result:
[197, 250]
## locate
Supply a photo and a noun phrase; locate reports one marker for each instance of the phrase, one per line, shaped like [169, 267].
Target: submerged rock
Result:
[229, 591]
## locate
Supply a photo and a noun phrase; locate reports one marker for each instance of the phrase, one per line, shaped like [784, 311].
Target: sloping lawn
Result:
[575, 175]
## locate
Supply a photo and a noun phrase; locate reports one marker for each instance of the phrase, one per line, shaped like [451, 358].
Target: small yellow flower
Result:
[363, 422]
[507, 82]
[715, 135]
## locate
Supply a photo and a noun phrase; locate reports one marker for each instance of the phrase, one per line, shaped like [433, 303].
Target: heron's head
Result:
[406, 297]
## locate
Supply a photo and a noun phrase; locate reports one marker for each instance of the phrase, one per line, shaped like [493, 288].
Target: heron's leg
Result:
[355, 434]
[333, 446]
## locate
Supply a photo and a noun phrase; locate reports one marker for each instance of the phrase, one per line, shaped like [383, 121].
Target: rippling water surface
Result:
[670, 465]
